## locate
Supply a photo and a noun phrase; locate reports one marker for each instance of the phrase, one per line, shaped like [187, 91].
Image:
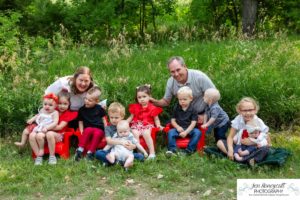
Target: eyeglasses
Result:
[248, 110]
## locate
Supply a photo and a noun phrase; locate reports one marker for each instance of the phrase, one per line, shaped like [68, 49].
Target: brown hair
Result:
[143, 88]
[79, 71]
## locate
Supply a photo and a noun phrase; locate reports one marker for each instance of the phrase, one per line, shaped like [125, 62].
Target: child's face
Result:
[63, 104]
[114, 118]
[247, 110]
[184, 100]
[123, 131]
[254, 134]
[82, 82]
[49, 105]
[206, 99]
[143, 98]
[90, 100]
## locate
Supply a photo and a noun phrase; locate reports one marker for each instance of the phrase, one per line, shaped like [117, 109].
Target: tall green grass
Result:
[267, 70]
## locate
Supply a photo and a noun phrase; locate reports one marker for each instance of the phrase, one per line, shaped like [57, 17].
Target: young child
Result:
[215, 117]
[46, 119]
[116, 113]
[91, 123]
[121, 153]
[144, 116]
[255, 135]
[56, 134]
[184, 120]
[247, 109]
[38, 122]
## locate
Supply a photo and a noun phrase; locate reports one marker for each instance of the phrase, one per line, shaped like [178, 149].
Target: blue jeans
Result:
[101, 156]
[194, 136]
[219, 133]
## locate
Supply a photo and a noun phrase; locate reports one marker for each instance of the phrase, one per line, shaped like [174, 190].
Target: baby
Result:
[253, 131]
[119, 152]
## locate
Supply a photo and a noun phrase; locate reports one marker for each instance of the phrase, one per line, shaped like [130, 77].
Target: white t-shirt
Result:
[239, 125]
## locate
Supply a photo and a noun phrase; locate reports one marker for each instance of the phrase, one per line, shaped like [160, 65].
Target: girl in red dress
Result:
[56, 134]
[144, 116]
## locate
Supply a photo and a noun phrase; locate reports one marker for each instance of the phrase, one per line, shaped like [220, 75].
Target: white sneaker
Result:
[52, 160]
[151, 157]
[38, 160]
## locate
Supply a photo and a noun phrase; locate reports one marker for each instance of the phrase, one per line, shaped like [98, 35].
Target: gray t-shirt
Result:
[197, 81]
[215, 111]
[110, 131]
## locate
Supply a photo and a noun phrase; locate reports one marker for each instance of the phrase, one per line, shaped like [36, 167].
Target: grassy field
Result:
[267, 70]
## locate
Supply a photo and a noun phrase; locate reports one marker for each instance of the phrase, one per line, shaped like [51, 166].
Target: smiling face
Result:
[49, 105]
[63, 104]
[143, 98]
[82, 82]
[247, 110]
[178, 72]
[90, 100]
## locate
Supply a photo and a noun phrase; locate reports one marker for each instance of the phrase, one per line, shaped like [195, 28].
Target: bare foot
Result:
[19, 144]
[237, 157]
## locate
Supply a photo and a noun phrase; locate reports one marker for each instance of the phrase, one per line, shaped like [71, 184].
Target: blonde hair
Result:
[116, 107]
[212, 94]
[95, 91]
[247, 99]
[185, 90]
[123, 124]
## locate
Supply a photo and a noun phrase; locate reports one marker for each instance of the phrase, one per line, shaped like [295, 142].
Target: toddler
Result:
[215, 117]
[144, 116]
[42, 121]
[184, 120]
[119, 152]
[91, 124]
[45, 120]
[255, 135]
[57, 133]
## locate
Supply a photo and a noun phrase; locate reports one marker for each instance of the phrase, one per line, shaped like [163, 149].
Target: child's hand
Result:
[179, 129]
[145, 154]
[161, 127]
[230, 154]
[204, 126]
[44, 130]
[259, 145]
[183, 134]
[29, 121]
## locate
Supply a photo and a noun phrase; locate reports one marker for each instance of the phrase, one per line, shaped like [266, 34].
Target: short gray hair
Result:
[178, 58]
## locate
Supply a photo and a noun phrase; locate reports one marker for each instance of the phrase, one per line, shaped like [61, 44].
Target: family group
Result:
[73, 101]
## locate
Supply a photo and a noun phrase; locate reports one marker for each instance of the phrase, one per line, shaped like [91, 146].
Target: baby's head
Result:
[63, 101]
[50, 102]
[248, 108]
[211, 96]
[123, 128]
[185, 96]
[92, 97]
[253, 128]
[116, 113]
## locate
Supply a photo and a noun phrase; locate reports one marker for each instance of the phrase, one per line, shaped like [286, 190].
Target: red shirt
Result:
[144, 114]
[66, 117]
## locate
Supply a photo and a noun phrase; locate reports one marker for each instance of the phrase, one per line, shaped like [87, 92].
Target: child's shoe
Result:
[38, 160]
[170, 154]
[78, 155]
[151, 157]
[52, 160]
[90, 156]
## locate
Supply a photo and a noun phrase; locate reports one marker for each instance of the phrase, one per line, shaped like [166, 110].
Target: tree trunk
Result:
[249, 13]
